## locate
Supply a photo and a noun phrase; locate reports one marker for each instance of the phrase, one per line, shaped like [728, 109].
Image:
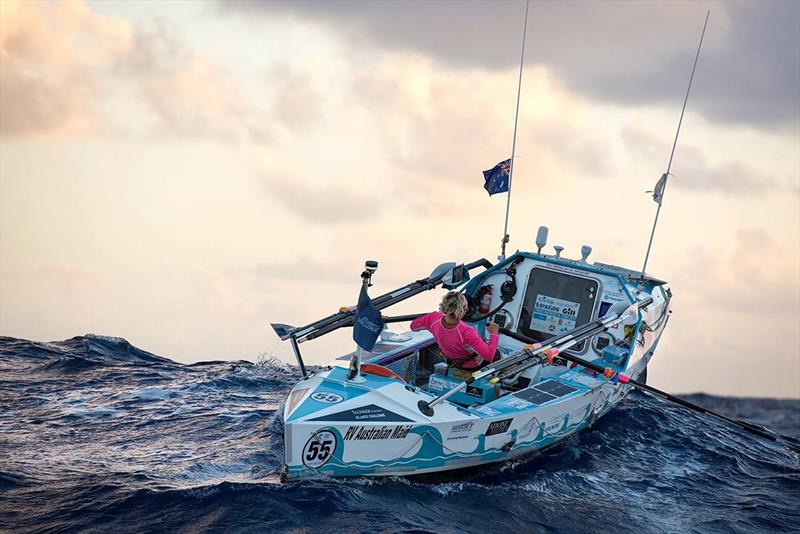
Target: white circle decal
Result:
[328, 398]
[319, 449]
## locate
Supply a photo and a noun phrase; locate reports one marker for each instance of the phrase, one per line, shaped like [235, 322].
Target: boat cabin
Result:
[537, 297]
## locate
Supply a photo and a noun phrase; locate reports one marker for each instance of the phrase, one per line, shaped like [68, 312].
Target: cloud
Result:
[735, 309]
[430, 114]
[294, 98]
[51, 55]
[757, 278]
[63, 65]
[328, 205]
[692, 170]
[411, 140]
[620, 52]
[190, 94]
[303, 269]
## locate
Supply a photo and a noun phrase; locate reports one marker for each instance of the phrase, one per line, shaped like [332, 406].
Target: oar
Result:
[552, 347]
[347, 317]
[402, 318]
[625, 379]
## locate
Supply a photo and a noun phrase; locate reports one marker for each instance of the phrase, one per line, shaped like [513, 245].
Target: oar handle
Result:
[402, 318]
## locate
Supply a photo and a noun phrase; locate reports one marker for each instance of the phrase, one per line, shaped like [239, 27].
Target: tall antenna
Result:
[658, 192]
[514, 142]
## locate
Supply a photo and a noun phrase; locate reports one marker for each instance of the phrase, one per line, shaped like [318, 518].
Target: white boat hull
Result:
[374, 427]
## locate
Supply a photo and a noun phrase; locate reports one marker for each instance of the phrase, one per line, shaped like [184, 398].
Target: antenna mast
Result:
[662, 185]
[502, 255]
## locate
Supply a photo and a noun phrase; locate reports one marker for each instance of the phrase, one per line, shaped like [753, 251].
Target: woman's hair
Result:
[454, 303]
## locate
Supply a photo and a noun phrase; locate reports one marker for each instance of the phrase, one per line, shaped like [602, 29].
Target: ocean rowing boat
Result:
[405, 412]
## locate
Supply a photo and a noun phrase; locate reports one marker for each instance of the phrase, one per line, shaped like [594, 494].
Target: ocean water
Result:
[97, 435]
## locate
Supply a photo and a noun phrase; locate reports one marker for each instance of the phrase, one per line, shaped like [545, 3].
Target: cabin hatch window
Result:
[555, 303]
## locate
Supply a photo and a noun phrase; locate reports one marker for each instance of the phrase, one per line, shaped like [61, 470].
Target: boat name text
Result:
[376, 432]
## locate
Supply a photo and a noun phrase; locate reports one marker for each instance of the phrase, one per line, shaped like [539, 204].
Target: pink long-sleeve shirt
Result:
[457, 342]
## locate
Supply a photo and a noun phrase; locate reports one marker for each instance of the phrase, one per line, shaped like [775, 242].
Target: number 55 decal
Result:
[319, 449]
[327, 397]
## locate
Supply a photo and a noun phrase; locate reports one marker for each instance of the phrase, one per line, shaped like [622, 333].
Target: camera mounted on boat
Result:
[370, 266]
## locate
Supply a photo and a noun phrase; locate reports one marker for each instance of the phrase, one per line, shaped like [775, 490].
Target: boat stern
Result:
[338, 427]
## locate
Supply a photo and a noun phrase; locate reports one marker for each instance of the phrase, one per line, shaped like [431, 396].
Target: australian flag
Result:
[497, 178]
[368, 325]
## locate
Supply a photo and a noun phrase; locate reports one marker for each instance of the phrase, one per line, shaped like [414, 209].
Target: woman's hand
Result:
[493, 328]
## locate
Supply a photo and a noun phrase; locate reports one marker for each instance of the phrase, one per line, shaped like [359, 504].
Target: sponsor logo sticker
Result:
[554, 425]
[370, 412]
[472, 391]
[461, 430]
[499, 427]
[554, 315]
[436, 383]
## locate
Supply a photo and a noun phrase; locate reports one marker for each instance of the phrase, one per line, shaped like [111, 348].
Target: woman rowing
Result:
[460, 343]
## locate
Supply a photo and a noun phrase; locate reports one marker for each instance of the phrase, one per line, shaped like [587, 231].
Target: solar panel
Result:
[555, 388]
[545, 392]
[535, 396]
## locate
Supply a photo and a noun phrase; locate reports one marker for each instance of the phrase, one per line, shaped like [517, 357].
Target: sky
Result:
[181, 174]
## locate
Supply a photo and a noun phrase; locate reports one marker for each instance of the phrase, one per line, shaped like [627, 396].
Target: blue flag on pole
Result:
[368, 325]
[497, 178]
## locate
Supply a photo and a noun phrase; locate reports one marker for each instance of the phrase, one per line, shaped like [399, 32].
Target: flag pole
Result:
[659, 195]
[354, 371]
[502, 255]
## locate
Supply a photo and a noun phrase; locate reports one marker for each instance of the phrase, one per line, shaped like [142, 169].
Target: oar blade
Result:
[284, 331]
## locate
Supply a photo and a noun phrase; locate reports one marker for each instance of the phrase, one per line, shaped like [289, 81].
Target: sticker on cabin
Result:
[319, 449]
[554, 316]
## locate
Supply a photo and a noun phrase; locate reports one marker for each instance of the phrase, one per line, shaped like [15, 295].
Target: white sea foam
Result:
[110, 339]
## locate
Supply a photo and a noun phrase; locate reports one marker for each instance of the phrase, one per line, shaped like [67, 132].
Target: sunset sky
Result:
[181, 174]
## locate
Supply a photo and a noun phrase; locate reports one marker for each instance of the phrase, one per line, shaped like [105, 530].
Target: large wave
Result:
[96, 434]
